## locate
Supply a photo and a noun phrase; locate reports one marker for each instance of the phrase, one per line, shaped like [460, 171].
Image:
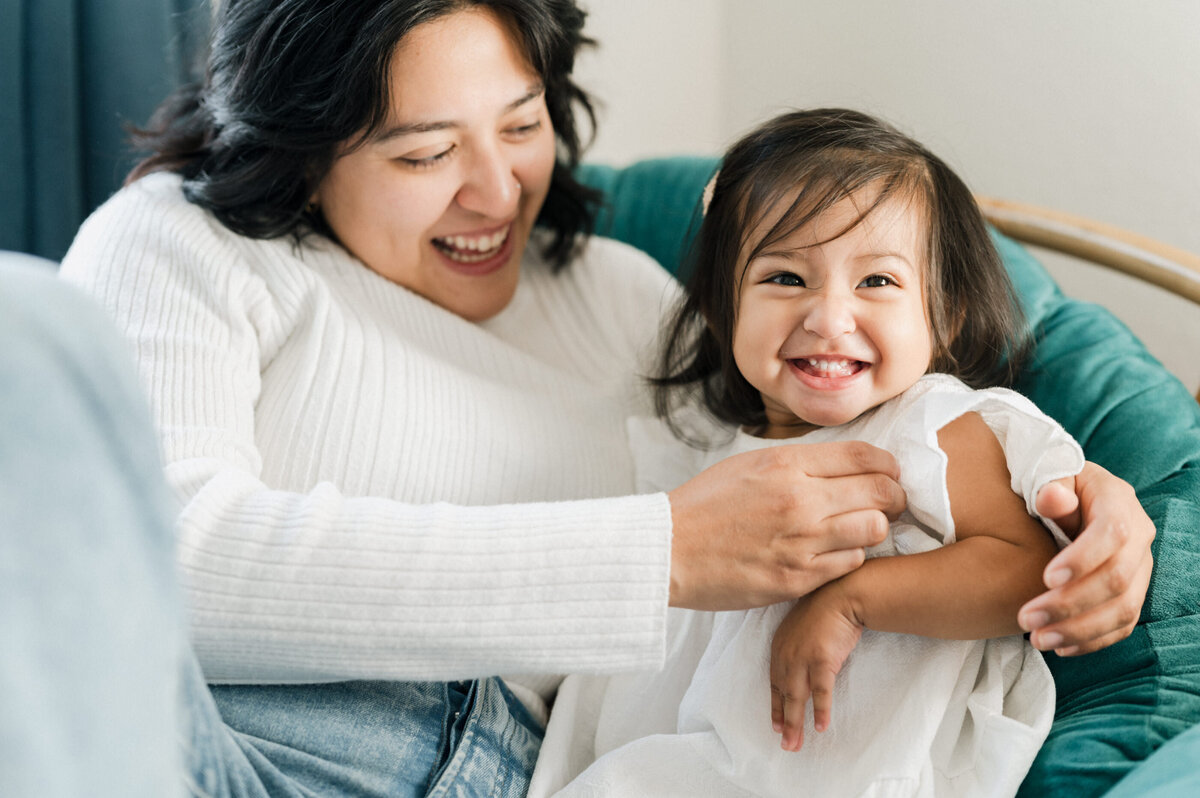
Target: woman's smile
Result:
[477, 254]
[468, 248]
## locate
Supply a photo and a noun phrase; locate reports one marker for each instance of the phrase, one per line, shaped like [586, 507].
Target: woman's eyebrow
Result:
[395, 131]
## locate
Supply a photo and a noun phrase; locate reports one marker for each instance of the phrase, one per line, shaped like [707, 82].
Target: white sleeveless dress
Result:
[912, 716]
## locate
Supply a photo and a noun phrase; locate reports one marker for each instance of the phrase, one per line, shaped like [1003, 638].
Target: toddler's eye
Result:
[877, 281]
[786, 278]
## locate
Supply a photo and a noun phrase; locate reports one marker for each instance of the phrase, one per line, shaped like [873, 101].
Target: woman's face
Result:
[441, 200]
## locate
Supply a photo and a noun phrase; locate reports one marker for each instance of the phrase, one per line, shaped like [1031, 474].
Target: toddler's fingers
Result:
[776, 710]
[793, 723]
[795, 705]
[1057, 500]
[822, 697]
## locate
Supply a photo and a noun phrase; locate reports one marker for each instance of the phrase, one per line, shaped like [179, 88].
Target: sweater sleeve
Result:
[317, 586]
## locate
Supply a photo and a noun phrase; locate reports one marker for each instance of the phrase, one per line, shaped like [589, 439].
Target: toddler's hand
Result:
[808, 650]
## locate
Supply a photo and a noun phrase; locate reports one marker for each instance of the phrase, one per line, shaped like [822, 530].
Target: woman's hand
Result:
[770, 525]
[1098, 583]
[807, 653]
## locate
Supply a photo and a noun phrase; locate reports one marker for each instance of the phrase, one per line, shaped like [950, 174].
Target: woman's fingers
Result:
[835, 549]
[840, 495]
[1111, 579]
[832, 564]
[845, 458]
[1098, 583]
[1088, 614]
[761, 527]
[856, 529]
[1114, 528]
[1095, 644]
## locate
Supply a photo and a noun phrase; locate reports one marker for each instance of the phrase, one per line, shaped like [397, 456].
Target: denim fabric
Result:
[497, 751]
[360, 739]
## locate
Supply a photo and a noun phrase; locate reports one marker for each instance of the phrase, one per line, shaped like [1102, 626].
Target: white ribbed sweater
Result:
[373, 487]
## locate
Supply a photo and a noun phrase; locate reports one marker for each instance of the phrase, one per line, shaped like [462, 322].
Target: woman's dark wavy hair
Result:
[289, 82]
[781, 177]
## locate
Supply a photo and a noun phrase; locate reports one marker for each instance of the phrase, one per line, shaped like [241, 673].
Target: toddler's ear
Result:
[950, 326]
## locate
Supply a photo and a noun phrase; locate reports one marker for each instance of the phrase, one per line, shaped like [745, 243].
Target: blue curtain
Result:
[73, 73]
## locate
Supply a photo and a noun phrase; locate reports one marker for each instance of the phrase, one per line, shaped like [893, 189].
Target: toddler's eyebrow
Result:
[886, 254]
[791, 253]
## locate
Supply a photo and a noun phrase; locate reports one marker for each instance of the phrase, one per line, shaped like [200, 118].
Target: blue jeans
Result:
[99, 693]
[363, 739]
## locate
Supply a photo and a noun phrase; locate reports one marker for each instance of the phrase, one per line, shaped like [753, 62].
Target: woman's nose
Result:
[830, 316]
[490, 188]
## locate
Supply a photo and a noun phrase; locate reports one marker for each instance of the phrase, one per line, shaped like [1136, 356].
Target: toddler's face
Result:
[826, 331]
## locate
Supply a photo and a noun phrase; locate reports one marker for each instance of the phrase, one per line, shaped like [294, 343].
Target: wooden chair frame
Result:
[1140, 257]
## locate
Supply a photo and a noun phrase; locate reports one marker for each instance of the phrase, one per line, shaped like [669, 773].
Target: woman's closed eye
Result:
[430, 156]
[423, 158]
[523, 131]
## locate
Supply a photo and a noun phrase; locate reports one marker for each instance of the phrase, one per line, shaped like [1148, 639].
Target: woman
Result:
[393, 410]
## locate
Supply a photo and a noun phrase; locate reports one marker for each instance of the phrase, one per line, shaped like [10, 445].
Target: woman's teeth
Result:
[472, 249]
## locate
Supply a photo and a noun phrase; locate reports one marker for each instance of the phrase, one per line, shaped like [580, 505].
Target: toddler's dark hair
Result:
[811, 160]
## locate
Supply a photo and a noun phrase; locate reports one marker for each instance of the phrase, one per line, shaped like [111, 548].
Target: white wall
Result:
[1090, 106]
[657, 74]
